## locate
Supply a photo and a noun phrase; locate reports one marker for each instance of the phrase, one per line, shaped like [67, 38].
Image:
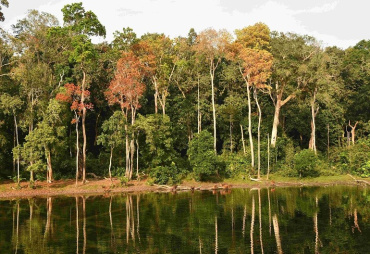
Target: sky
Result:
[340, 23]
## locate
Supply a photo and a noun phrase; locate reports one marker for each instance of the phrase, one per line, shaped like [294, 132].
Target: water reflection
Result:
[290, 220]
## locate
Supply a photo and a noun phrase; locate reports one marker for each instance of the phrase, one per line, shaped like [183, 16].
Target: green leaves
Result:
[201, 155]
[113, 133]
[81, 21]
[10, 104]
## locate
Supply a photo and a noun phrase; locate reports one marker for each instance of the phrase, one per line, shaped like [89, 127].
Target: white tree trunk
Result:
[213, 108]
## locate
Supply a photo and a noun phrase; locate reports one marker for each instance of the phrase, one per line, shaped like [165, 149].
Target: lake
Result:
[281, 220]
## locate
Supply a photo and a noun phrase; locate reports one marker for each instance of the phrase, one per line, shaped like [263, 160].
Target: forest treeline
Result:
[209, 105]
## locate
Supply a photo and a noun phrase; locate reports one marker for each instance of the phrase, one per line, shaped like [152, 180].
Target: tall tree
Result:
[125, 90]
[11, 105]
[211, 45]
[73, 94]
[291, 52]
[83, 56]
[112, 135]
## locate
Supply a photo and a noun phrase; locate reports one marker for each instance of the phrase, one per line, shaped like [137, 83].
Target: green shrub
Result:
[166, 174]
[202, 157]
[305, 163]
[353, 159]
[365, 170]
[236, 164]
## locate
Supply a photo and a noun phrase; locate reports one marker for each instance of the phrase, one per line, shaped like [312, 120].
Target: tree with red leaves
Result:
[125, 89]
[73, 94]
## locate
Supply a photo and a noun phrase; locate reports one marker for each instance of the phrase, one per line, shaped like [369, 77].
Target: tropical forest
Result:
[210, 106]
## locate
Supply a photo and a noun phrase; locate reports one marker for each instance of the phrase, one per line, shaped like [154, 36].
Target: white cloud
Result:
[320, 9]
[176, 17]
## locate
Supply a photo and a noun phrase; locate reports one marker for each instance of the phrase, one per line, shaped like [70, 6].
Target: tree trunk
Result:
[353, 128]
[77, 148]
[231, 135]
[268, 156]
[127, 174]
[83, 129]
[110, 164]
[314, 111]
[243, 142]
[155, 95]
[250, 126]
[198, 110]
[137, 156]
[17, 139]
[50, 169]
[276, 122]
[258, 134]
[212, 72]
[132, 153]
[278, 104]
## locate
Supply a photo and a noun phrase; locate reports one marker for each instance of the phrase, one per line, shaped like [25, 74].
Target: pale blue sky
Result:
[334, 22]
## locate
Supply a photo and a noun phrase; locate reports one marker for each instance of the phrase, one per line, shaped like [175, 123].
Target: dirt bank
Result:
[105, 186]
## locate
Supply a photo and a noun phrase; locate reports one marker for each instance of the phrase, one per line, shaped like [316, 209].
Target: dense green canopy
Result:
[202, 106]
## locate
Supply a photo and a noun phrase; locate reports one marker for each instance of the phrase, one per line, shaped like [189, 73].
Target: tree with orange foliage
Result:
[74, 95]
[126, 89]
[255, 68]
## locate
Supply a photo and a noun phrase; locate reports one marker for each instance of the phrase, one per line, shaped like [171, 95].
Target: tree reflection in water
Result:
[187, 222]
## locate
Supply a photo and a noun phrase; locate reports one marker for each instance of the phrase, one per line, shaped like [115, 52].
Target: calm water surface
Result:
[281, 220]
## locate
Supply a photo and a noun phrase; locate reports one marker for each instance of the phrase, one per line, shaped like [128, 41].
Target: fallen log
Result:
[359, 181]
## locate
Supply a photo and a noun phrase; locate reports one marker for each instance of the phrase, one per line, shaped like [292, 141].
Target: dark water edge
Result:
[282, 220]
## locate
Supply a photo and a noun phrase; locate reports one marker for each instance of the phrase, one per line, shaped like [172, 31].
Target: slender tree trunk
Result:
[250, 125]
[231, 135]
[258, 134]
[198, 109]
[96, 127]
[14, 145]
[127, 174]
[83, 128]
[268, 156]
[314, 111]
[110, 164]
[242, 133]
[132, 143]
[155, 95]
[212, 73]
[50, 169]
[17, 139]
[77, 148]
[132, 153]
[137, 157]
[328, 140]
[31, 174]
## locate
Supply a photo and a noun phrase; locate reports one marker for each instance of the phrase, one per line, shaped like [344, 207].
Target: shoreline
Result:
[104, 187]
